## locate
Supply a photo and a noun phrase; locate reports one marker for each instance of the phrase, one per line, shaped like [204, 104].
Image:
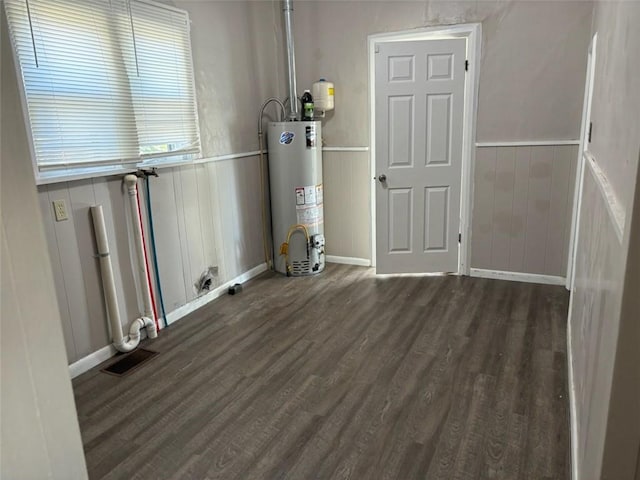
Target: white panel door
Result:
[419, 109]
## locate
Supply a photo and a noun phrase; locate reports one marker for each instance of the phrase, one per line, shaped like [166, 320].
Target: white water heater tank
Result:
[323, 95]
[297, 198]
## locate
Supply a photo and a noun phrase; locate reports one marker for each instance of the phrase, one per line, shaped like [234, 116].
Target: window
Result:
[107, 83]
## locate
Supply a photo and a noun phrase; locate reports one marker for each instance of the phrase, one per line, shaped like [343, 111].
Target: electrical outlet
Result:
[60, 210]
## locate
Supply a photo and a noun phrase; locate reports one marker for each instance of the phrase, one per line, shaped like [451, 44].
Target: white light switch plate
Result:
[60, 210]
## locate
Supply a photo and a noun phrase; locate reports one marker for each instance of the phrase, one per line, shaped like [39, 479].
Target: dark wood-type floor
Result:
[344, 376]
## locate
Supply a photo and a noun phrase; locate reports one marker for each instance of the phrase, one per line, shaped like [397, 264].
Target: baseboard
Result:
[362, 262]
[518, 277]
[529, 143]
[195, 304]
[87, 363]
[573, 413]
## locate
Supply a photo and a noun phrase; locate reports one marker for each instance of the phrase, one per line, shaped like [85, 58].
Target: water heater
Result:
[297, 197]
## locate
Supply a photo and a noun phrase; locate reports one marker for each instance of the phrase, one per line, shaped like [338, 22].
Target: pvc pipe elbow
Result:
[150, 326]
[132, 341]
[130, 180]
[140, 323]
[127, 345]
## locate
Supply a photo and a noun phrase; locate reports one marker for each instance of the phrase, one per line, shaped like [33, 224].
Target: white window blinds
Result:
[106, 82]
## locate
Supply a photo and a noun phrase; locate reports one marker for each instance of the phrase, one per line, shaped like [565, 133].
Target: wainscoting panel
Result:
[204, 215]
[522, 208]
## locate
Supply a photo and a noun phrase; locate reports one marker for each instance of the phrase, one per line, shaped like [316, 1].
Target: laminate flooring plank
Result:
[417, 367]
[448, 444]
[377, 407]
[562, 426]
[344, 375]
[190, 372]
[255, 436]
[469, 458]
[496, 440]
[399, 374]
[540, 447]
[280, 454]
[326, 441]
[204, 426]
[384, 455]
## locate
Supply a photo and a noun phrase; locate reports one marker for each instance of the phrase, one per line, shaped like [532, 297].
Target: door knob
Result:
[382, 178]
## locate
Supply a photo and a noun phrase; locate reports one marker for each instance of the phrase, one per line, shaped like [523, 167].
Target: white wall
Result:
[597, 317]
[615, 127]
[531, 81]
[622, 441]
[233, 53]
[533, 61]
[205, 215]
[210, 215]
[39, 434]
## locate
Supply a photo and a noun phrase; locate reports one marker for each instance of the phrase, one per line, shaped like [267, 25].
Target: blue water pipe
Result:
[154, 255]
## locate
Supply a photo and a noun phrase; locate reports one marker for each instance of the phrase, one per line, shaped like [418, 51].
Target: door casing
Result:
[473, 33]
[584, 144]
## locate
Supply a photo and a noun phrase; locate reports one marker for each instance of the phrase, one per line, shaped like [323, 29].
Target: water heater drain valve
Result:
[317, 250]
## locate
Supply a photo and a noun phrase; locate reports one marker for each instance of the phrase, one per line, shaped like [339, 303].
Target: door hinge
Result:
[459, 238]
[377, 48]
[466, 65]
[590, 129]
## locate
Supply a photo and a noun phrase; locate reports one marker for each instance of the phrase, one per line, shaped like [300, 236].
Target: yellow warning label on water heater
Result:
[331, 91]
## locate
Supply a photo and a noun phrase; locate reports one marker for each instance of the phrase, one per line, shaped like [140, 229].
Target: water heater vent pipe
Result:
[287, 8]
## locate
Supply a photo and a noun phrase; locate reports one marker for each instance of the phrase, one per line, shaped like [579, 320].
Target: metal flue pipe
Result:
[287, 8]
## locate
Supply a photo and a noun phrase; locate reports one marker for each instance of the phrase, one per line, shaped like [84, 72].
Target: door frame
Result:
[472, 32]
[580, 167]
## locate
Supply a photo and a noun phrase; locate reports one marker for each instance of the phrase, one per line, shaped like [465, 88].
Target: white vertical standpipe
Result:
[121, 343]
[131, 181]
[287, 8]
[106, 270]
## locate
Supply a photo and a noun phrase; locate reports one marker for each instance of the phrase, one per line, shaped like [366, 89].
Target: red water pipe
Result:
[146, 262]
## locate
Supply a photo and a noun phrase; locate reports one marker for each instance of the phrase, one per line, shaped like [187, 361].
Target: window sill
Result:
[60, 176]
[47, 177]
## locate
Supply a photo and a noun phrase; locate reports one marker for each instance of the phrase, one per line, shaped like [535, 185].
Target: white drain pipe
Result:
[121, 343]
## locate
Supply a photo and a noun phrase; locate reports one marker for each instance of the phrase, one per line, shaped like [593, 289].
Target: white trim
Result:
[229, 156]
[87, 363]
[579, 180]
[474, 48]
[413, 275]
[517, 276]
[371, 52]
[362, 262]
[573, 252]
[201, 161]
[25, 108]
[473, 33]
[529, 143]
[573, 411]
[105, 353]
[201, 301]
[345, 149]
[58, 177]
[614, 206]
